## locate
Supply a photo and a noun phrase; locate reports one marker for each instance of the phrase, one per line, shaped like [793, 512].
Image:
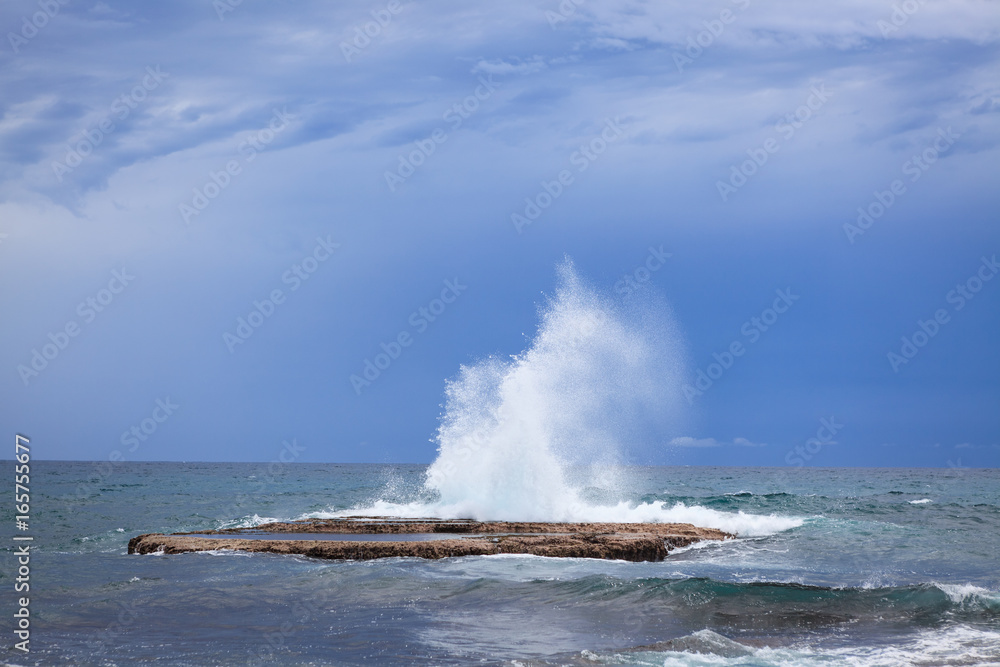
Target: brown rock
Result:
[616, 541]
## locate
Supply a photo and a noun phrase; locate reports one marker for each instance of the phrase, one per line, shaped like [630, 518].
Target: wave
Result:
[922, 501]
[959, 645]
[785, 604]
[541, 436]
[248, 521]
[751, 494]
[740, 524]
[524, 438]
[962, 594]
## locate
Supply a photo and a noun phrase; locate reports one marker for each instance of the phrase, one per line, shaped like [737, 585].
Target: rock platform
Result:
[335, 539]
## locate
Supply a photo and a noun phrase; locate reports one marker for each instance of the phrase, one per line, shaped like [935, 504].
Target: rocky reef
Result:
[614, 541]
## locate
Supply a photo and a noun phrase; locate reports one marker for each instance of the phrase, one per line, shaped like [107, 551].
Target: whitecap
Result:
[739, 523]
[225, 552]
[246, 522]
[968, 593]
[949, 646]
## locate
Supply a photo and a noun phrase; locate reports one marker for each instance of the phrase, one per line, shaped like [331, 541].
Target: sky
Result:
[214, 214]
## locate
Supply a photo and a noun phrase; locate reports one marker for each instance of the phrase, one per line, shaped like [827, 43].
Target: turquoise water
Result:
[845, 566]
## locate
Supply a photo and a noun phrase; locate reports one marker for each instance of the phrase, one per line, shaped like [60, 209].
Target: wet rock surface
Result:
[615, 541]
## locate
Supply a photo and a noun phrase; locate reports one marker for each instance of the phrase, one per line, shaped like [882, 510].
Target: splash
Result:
[521, 437]
[542, 436]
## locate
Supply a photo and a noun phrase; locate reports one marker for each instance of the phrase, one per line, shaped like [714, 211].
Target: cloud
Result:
[789, 24]
[500, 66]
[969, 445]
[582, 70]
[743, 442]
[688, 441]
[990, 104]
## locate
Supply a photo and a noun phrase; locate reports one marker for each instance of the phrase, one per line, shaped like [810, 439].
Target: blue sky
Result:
[175, 163]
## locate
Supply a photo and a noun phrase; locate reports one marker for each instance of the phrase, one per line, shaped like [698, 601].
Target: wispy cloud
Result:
[688, 441]
[517, 66]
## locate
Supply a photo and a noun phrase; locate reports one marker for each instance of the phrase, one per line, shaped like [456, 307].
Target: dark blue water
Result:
[879, 567]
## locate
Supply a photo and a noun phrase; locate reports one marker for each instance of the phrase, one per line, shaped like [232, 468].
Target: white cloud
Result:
[743, 442]
[501, 66]
[786, 24]
[688, 441]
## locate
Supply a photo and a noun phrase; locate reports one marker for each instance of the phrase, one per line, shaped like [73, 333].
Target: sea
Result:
[845, 566]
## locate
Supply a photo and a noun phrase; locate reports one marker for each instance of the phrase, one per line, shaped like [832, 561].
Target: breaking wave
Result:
[531, 437]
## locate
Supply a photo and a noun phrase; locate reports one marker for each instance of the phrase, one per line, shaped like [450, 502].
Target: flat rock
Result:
[615, 541]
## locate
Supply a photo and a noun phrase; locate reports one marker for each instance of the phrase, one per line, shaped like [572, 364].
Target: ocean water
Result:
[832, 567]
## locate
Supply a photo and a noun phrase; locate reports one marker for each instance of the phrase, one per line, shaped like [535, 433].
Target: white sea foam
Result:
[593, 379]
[956, 645]
[969, 594]
[235, 553]
[521, 438]
[922, 501]
[246, 522]
[737, 523]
